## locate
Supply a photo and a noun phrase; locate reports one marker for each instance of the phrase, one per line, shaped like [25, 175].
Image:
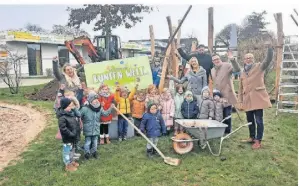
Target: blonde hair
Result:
[150, 88]
[195, 59]
[250, 55]
[71, 81]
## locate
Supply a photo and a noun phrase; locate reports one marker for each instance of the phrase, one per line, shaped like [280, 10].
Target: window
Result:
[34, 59]
[63, 55]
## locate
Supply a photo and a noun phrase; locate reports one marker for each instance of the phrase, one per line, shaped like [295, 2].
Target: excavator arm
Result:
[85, 42]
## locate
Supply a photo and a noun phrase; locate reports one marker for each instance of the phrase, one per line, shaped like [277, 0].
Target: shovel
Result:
[167, 160]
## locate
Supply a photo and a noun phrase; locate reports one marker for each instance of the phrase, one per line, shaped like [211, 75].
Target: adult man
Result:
[253, 95]
[221, 75]
[204, 59]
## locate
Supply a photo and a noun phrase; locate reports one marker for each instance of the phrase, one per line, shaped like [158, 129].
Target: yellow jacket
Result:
[124, 104]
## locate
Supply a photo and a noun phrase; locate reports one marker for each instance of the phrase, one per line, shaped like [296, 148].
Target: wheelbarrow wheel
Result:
[182, 147]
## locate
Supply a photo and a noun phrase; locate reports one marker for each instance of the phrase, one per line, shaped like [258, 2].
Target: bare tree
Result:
[10, 69]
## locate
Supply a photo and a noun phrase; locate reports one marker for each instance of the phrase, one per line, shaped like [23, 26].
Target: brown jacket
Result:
[252, 91]
[222, 80]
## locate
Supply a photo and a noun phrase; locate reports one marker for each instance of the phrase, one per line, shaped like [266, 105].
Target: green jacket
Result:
[91, 120]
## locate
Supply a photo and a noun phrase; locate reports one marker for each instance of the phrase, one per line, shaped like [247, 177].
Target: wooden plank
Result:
[210, 29]
[164, 69]
[174, 61]
[279, 51]
[152, 36]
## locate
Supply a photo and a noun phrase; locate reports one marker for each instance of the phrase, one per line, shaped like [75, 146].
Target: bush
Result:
[49, 72]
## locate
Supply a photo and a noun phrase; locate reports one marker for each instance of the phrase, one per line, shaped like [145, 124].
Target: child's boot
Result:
[102, 141]
[95, 155]
[149, 153]
[154, 151]
[75, 164]
[108, 140]
[87, 156]
[70, 168]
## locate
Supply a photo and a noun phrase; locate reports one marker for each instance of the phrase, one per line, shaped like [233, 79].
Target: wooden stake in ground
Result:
[210, 29]
[174, 60]
[152, 36]
[210, 40]
[278, 18]
[165, 63]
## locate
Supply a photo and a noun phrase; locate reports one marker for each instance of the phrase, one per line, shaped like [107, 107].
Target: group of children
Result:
[153, 114]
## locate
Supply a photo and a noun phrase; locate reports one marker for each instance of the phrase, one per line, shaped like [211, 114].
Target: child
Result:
[178, 101]
[68, 126]
[189, 107]
[138, 108]
[106, 99]
[153, 124]
[91, 124]
[124, 106]
[168, 108]
[205, 104]
[152, 96]
[219, 105]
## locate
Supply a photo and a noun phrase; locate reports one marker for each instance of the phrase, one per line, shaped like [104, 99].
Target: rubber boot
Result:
[155, 152]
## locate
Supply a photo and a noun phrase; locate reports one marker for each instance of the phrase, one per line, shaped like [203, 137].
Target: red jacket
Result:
[107, 101]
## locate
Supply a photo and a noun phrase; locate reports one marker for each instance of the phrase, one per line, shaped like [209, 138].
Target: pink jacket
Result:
[168, 110]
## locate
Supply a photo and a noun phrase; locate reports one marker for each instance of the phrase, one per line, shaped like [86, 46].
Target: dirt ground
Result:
[18, 126]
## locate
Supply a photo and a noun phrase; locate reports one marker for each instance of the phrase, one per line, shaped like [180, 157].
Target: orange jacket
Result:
[138, 108]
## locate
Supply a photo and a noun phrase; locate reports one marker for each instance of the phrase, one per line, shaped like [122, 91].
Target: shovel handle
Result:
[141, 133]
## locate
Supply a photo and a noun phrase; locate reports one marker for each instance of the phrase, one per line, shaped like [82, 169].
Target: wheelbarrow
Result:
[201, 131]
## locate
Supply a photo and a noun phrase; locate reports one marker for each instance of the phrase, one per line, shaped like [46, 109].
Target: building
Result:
[39, 50]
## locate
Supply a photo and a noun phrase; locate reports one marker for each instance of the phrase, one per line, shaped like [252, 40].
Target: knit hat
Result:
[216, 93]
[92, 96]
[65, 102]
[188, 92]
[205, 88]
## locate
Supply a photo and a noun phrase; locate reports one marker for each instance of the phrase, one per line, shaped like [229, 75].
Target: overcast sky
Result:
[17, 16]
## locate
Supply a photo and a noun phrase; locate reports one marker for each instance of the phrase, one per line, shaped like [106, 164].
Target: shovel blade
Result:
[172, 161]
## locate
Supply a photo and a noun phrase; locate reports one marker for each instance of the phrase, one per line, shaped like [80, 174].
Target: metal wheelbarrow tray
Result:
[200, 130]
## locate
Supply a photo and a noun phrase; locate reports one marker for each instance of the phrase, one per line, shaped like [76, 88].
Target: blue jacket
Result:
[155, 73]
[189, 110]
[153, 125]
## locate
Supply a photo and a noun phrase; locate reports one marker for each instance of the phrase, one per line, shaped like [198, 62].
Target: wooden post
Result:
[178, 39]
[279, 51]
[152, 36]
[210, 29]
[173, 61]
[164, 69]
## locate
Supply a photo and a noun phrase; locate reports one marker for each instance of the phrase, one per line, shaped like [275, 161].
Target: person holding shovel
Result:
[253, 95]
[221, 77]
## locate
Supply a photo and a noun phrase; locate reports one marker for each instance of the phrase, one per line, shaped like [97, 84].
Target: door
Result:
[34, 59]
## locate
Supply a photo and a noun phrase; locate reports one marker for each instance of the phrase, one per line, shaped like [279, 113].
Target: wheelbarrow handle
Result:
[228, 117]
[247, 124]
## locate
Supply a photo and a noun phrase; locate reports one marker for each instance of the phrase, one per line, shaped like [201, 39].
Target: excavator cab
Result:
[108, 47]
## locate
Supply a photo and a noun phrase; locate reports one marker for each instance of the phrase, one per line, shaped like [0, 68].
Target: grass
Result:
[125, 163]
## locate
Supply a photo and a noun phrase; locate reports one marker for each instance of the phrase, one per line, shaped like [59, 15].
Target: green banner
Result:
[125, 72]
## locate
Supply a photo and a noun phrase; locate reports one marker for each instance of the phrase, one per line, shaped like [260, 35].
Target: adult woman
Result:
[196, 77]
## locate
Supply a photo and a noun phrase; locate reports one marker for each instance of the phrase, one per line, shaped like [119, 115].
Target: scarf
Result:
[72, 81]
[94, 109]
[105, 94]
[247, 67]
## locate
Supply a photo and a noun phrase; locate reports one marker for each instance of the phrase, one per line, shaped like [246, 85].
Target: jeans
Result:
[227, 111]
[256, 129]
[122, 127]
[67, 153]
[154, 141]
[93, 140]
